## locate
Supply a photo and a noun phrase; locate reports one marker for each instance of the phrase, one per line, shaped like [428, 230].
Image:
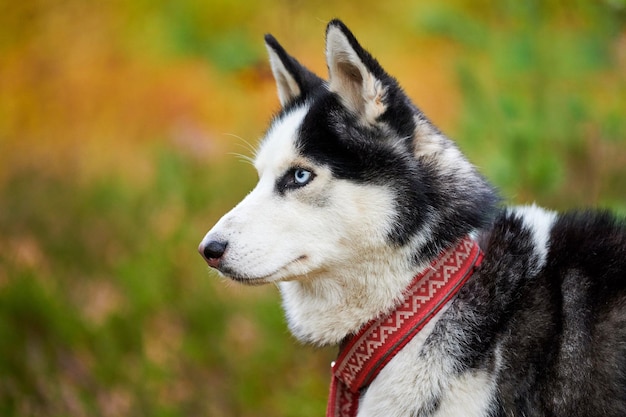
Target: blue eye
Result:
[302, 176]
[294, 179]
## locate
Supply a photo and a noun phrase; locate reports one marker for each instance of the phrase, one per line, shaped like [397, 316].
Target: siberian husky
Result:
[359, 193]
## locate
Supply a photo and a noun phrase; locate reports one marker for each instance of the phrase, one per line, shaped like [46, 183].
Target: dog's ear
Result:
[354, 74]
[292, 78]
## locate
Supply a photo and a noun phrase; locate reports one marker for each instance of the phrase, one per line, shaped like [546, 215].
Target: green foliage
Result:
[210, 30]
[537, 106]
[106, 302]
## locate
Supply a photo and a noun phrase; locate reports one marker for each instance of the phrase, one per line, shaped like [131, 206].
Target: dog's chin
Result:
[251, 281]
[283, 273]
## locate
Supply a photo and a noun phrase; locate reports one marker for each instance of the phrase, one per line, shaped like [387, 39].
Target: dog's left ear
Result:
[293, 80]
[354, 74]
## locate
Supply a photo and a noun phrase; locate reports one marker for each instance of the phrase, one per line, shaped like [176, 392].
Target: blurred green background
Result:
[119, 125]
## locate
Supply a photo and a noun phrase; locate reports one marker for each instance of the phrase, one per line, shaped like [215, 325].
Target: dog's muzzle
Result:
[212, 252]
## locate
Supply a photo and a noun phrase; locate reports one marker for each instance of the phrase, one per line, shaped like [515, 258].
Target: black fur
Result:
[558, 333]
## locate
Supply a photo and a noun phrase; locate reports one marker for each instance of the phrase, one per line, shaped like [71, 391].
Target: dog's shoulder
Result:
[544, 271]
[551, 301]
[529, 239]
[517, 243]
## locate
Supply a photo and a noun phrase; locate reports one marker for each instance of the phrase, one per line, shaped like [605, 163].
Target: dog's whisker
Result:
[242, 158]
[244, 144]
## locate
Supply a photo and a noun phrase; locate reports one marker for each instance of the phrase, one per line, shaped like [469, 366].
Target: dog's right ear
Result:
[292, 78]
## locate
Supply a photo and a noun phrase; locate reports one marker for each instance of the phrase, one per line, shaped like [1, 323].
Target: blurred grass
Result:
[548, 98]
[117, 126]
[105, 309]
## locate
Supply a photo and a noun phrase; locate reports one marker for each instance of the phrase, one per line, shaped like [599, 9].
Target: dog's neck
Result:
[326, 307]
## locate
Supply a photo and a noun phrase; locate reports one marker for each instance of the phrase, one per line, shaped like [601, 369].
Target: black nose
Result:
[213, 252]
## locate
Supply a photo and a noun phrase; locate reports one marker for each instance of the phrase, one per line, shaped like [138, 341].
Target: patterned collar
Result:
[362, 356]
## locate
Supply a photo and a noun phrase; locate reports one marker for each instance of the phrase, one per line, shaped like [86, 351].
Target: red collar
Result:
[362, 356]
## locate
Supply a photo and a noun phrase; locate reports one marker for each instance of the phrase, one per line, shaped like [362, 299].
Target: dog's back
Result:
[551, 302]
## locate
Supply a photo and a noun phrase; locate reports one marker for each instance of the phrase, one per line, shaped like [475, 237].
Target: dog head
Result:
[349, 170]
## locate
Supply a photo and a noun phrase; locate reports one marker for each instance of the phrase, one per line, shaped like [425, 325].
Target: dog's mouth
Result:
[250, 279]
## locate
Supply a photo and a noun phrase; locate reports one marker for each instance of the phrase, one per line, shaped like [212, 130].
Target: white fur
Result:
[539, 222]
[469, 395]
[343, 302]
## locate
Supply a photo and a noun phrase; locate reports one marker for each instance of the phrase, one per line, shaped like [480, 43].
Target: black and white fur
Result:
[358, 191]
